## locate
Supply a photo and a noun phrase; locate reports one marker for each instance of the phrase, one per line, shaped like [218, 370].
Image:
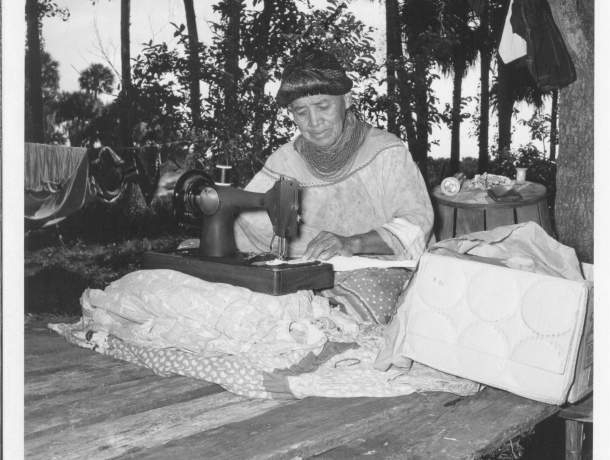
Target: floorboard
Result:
[79, 404]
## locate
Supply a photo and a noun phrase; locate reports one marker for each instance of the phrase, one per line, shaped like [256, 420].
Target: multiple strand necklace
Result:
[332, 162]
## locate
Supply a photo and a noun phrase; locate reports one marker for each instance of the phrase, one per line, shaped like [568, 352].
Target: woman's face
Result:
[320, 117]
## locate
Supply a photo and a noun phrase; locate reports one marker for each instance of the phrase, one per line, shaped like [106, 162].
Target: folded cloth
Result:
[56, 182]
[343, 367]
[525, 246]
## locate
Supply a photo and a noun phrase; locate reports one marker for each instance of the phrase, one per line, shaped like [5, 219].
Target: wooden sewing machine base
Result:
[240, 271]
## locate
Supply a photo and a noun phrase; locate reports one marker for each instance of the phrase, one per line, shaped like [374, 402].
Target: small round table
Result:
[474, 210]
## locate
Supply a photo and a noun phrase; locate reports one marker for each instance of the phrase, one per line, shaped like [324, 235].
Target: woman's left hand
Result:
[326, 245]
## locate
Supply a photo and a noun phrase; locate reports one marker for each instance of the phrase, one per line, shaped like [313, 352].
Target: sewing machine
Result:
[213, 207]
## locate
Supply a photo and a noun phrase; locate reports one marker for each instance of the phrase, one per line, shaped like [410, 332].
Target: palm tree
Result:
[420, 19]
[195, 94]
[491, 15]
[514, 84]
[96, 79]
[456, 53]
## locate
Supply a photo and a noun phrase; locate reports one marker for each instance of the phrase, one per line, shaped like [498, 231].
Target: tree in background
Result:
[456, 53]
[514, 84]
[491, 15]
[96, 79]
[193, 48]
[35, 10]
[485, 51]
[75, 114]
[574, 201]
[539, 125]
[394, 56]
[422, 27]
[286, 29]
[126, 94]
[230, 114]
[554, 120]
[50, 96]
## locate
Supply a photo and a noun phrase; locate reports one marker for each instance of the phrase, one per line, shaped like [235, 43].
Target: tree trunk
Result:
[195, 99]
[574, 199]
[393, 55]
[456, 112]
[554, 114]
[485, 54]
[34, 122]
[232, 71]
[126, 90]
[420, 155]
[261, 76]
[505, 109]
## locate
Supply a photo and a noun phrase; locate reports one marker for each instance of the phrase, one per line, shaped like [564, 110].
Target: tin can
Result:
[452, 185]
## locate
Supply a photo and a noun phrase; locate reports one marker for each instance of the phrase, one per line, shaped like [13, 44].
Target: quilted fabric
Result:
[253, 344]
[507, 328]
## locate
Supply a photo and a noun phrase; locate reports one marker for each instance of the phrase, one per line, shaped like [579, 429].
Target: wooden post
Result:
[574, 439]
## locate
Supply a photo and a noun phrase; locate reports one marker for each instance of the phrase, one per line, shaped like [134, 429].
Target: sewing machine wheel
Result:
[187, 188]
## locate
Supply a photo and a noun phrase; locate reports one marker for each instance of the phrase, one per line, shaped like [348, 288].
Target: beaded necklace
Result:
[332, 162]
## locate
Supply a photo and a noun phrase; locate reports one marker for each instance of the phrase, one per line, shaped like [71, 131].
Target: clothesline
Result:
[164, 144]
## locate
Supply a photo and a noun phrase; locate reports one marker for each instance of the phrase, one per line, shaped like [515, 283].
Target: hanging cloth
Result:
[548, 59]
[512, 46]
[56, 182]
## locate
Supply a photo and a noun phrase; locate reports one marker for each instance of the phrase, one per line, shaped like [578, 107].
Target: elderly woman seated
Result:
[362, 192]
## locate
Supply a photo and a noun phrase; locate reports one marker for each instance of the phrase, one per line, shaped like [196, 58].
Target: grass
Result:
[56, 276]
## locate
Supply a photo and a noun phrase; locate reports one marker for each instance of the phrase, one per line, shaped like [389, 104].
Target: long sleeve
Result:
[406, 200]
[384, 192]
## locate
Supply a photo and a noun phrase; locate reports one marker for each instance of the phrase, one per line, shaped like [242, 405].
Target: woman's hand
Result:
[326, 245]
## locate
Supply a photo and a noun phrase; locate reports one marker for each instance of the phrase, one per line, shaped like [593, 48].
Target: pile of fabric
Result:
[253, 344]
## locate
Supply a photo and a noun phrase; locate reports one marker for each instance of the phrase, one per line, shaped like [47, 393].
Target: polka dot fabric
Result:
[341, 370]
[369, 294]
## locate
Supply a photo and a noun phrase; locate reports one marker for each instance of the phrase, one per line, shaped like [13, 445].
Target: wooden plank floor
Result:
[79, 404]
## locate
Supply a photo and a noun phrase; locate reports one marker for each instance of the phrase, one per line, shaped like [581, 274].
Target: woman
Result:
[361, 191]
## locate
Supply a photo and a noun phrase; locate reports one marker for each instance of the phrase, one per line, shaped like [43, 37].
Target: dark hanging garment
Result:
[547, 59]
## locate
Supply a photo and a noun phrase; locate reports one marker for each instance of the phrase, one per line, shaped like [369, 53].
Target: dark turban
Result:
[312, 72]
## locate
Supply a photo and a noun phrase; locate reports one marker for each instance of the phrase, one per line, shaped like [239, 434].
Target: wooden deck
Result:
[79, 404]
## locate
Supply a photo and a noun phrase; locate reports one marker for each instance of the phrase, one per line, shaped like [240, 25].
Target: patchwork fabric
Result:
[252, 344]
[340, 370]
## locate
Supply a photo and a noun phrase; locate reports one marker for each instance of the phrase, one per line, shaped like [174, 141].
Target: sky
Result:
[92, 34]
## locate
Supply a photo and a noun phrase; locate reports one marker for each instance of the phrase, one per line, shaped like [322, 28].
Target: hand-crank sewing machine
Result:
[200, 201]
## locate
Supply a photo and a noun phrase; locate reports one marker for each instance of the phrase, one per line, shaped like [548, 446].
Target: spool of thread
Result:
[223, 175]
[452, 185]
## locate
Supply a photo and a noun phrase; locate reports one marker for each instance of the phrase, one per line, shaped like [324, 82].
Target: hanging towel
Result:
[56, 182]
[512, 46]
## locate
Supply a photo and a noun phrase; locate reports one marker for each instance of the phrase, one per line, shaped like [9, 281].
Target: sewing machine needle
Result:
[282, 249]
